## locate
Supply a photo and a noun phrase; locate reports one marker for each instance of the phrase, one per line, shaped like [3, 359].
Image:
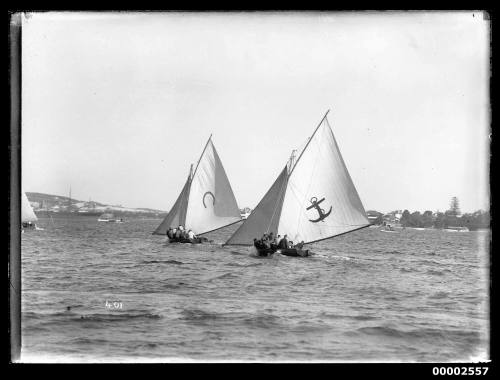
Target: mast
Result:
[201, 155]
[291, 161]
[310, 139]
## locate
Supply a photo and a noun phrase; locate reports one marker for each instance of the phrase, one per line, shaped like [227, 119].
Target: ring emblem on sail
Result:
[207, 180]
[315, 204]
[208, 193]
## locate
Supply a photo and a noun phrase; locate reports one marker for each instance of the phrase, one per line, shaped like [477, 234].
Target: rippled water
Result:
[366, 296]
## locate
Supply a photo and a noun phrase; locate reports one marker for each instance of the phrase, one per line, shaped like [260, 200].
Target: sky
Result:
[118, 105]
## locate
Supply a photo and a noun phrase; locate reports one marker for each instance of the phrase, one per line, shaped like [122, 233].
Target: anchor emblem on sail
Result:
[315, 204]
[204, 195]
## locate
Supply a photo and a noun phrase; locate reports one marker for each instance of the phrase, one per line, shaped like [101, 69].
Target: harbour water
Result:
[367, 296]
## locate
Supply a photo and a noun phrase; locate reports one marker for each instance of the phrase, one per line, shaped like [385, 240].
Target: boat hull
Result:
[188, 241]
[293, 252]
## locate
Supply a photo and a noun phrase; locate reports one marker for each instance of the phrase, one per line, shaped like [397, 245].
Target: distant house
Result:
[393, 217]
[374, 216]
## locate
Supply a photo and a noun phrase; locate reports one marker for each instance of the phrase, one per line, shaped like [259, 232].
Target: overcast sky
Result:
[119, 105]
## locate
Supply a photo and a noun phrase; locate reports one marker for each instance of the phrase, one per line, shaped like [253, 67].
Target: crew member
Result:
[178, 233]
[170, 233]
[283, 244]
[191, 235]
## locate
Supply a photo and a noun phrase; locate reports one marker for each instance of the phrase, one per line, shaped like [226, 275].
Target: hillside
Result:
[59, 203]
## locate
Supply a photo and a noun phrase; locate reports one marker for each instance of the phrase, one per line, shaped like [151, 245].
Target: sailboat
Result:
[312, 199]
[206, 202]
[28, 216]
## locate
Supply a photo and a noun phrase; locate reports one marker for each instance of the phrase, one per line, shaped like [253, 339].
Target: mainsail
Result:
[27, 213]
[313, 199]
[206, 202]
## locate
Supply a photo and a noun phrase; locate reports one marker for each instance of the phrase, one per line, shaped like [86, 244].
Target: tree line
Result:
[473, 221]
[451, 218]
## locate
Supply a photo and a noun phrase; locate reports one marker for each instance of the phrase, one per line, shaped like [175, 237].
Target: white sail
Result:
[177, 214]
[211, 203]
[320, 200]
[265, 217]
[313, 199]
[27, 213]
[206, 202]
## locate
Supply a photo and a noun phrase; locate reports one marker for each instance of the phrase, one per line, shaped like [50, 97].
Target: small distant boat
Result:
[456, 229]
[28, 217]
[388, 228]
[110, 218]
[312, 199]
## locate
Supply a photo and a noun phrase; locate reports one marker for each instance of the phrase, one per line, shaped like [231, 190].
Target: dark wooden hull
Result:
[188, 241]
[293, 252]
[264, 251]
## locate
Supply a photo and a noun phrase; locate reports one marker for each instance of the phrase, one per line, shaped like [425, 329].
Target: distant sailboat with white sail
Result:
[206, 202]
[312, 199]
[28, 217]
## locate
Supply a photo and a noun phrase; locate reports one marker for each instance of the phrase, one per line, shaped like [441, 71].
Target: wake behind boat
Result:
[205, 204]
[312, 199]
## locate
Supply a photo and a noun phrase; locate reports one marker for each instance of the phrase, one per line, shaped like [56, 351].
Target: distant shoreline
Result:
[76, 215]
